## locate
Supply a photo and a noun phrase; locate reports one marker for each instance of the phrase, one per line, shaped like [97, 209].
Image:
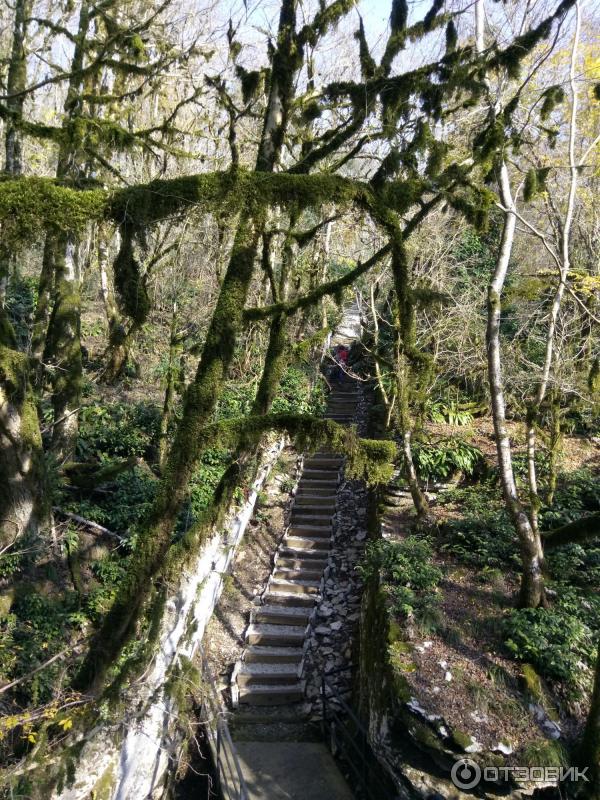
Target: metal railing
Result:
[228, 773]
[347, 738]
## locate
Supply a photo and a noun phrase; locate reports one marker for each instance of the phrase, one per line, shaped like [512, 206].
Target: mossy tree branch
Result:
[582, 530]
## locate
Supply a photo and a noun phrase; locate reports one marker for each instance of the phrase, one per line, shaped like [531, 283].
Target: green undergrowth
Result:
[446, 458]
[406, 572]
[559, 641]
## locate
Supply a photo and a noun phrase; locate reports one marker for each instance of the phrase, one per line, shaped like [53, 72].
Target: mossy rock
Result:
[462, 740]
[425, 739]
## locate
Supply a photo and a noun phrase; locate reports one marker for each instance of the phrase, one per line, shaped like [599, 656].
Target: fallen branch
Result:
[89, 524]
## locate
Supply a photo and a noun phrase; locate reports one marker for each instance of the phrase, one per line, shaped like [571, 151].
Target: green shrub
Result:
[554, 640]
[130, 498]
[406, 571]
[294, 394]
[118, 431]
[201, 488]
[576, 494]
[445, 458]
[450, 411]
[485, 540]
[37, 629]
[109, 571]
[235, 401]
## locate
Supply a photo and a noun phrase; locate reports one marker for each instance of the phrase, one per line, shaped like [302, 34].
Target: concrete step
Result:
[289, 599]
[267, 674]
[302, 554]
[311, 531]
[320, 475]
[276, 635]
[309, 486]
[301, 543]
[316, 491]
[311, 517]
[273, 655]
[265, 695]
[313, 562]
[310, 588]
[304, 573]
[324, 462]
[281, 615]
[315, 501]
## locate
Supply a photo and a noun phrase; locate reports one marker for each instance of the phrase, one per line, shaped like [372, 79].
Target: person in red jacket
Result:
[341, 357]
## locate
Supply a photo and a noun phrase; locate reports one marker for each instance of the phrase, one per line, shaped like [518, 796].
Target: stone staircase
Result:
[269, 672]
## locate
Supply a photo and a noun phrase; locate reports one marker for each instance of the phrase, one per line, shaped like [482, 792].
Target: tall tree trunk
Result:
[62, 347]
[532, 581]
[532, 592]
[63, 350]
[174, 379]
[16, 81]
[404, 332]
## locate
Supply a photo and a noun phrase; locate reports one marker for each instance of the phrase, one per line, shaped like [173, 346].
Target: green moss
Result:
[130, 282]
[424, 736]
[395, 632]
[462, 740]
[14, 369]
[28, 206]
[532, 682]
[103, 788]
[543, 753]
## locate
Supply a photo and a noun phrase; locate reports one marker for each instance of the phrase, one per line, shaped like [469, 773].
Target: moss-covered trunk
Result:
[63, 350]
[404, 350]
[174, 380]
[24, 509]
[56, 337]
[119, 336]
[16, 81]
[199, 402]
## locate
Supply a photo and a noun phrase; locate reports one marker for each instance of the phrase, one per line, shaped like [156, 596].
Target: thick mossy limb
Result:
[368, 459]
[582, 530]
[28, 205]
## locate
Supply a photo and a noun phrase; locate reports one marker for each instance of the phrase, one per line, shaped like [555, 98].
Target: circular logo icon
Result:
[466, 774]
